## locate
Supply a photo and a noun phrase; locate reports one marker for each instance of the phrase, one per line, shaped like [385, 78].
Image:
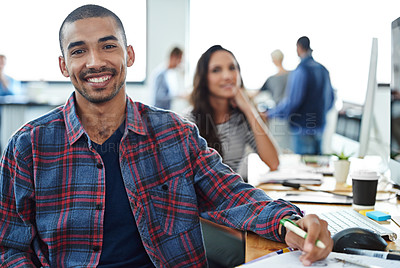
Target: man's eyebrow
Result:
[107, 38]
[75, 44]
[103, 39]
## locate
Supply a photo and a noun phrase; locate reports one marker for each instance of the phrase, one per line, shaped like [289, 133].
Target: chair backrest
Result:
[225, 247]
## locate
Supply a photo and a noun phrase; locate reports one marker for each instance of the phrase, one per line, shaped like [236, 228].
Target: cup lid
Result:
[365, 175]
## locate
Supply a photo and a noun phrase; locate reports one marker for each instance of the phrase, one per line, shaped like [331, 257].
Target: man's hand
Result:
[316, 229]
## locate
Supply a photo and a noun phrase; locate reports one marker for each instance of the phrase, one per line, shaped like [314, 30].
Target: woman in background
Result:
[224, 114]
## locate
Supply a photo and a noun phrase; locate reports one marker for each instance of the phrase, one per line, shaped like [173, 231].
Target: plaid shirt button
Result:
[96, 248]
[99, 165]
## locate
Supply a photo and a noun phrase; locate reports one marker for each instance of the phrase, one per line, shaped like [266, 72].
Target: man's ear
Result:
[130, 55]
[63, 66]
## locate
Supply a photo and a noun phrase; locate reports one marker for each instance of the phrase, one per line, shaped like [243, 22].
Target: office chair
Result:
[225, 247]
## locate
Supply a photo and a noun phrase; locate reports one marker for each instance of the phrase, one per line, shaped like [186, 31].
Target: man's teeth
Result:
[98, 79]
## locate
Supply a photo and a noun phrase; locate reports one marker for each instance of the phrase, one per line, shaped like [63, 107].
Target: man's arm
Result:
[16, 210]
[329, 91]
[225, 199]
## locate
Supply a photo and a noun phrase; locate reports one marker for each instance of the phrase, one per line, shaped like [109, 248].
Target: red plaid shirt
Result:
[52, 191]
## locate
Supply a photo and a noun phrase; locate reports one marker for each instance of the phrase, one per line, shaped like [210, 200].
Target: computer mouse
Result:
[357, 238]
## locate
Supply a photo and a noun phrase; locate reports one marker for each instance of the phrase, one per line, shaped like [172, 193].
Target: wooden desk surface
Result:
[257, 246]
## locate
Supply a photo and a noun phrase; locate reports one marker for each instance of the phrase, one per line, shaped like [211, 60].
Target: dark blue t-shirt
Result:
[122, 245]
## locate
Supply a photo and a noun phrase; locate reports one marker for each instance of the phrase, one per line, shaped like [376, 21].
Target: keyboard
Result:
[347, 218]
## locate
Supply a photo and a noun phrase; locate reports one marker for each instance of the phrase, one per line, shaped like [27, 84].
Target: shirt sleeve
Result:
[296, 91]
[225, 199]
[250, 139]
[16, 209]
[162, 88]
[265, 87]
[329, 91]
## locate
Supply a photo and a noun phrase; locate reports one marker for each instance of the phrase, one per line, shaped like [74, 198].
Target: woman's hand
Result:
[316, 228]
[266, 148]
[242, 101]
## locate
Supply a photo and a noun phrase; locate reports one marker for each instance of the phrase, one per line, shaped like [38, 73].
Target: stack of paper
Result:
[291, 259]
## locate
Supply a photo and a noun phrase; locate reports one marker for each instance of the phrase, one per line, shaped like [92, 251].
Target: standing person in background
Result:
[164, 91]
[308, 99]
[224, 114]
[104, 181]
[276, 86]
[8, 86]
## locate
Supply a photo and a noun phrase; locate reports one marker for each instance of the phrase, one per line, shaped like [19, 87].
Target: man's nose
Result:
[95, 60]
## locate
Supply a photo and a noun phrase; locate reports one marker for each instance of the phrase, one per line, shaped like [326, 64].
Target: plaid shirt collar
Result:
[75, 130]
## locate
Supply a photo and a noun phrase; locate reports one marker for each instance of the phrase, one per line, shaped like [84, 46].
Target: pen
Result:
[296, 229]
[372, 253]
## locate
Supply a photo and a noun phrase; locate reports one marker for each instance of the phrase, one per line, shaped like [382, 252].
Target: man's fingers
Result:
[317, 229]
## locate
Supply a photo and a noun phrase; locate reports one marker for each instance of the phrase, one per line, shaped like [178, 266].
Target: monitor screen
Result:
[395, 104]
[395, 126]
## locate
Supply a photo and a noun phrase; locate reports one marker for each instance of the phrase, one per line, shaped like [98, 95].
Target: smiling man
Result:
[107, 182]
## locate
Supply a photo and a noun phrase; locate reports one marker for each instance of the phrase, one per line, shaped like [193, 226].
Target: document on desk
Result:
[290, 169]
[317, 198]
[291, 259]
[293, 175]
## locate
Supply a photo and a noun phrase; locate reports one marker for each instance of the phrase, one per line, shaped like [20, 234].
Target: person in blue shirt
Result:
[7, 84]
[164, 91]
[309, 97]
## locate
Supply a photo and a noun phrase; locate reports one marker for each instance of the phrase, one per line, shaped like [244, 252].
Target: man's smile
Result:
[100, 79]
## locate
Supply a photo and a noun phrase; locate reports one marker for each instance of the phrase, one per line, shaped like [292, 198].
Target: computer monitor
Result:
[394, 162]
[367, 120]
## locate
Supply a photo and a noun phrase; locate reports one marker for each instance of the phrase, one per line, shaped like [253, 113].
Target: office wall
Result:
[167, 25]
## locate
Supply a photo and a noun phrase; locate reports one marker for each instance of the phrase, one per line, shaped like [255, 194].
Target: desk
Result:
[257, 246]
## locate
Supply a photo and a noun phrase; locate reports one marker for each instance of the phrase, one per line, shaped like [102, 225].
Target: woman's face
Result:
[223, 75]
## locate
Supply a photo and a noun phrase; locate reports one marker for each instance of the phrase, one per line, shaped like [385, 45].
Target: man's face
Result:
[175, 61]
[95, 58]
[299, 50]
